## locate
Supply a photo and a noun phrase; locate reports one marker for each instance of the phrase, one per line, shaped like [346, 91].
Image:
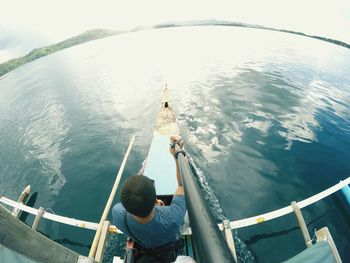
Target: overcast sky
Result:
[25, 25]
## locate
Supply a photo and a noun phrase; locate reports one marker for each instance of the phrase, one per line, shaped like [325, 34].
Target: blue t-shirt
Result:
[161, 230]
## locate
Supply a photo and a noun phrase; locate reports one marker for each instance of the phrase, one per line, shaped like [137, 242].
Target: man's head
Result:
[138, 195]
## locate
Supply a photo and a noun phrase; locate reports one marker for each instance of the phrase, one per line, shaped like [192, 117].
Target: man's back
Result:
[161, 230]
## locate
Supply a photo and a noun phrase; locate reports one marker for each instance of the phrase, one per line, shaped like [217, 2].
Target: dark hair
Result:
[138, 195]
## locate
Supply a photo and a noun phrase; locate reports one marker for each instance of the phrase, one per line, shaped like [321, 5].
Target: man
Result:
[143, 217]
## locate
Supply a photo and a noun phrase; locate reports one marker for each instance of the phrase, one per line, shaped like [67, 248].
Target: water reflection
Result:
[265, 115]
[38, 137]
[45, 137]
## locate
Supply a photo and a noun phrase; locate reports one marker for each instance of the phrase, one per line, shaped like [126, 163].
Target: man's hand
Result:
[159, 202]
[175, 138]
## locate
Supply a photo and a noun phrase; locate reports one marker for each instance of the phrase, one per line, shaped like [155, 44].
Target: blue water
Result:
[265, 116]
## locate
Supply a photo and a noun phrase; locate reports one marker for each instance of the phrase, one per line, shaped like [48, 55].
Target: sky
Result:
[25, 25]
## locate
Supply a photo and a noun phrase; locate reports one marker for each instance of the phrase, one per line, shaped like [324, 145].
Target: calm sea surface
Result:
[265, 115]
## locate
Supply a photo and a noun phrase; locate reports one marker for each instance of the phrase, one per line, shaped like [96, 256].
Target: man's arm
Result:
[180, 189]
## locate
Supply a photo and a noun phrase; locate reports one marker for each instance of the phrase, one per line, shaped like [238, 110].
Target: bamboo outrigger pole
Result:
[110, 200]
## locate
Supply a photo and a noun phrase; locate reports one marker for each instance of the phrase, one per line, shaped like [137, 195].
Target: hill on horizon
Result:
[44, 51]
[102, 33]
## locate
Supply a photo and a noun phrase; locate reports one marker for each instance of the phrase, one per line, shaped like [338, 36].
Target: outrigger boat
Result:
[205, 240]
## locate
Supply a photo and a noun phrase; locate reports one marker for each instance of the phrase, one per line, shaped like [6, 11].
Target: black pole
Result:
[210, 244]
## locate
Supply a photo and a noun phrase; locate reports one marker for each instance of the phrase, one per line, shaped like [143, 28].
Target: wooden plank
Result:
[229, 238]
[92, 252]
[38, 217]
[301, 223]
[102, 242]
[18, 237]
[22, 199]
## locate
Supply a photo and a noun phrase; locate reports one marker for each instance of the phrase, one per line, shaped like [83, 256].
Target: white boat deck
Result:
[160, 166]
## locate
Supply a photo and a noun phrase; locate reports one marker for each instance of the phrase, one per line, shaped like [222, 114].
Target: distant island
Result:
[237, 24]
[44, 51]
[102, 33]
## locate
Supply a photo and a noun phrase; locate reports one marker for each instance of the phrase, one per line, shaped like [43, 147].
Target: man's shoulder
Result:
[118, 212]
[118, 208]
[177, 201]
[174, 213]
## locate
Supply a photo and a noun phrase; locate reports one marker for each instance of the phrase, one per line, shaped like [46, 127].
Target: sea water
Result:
[265, 116]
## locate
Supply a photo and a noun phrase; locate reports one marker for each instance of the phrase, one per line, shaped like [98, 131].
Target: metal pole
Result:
[110, 200]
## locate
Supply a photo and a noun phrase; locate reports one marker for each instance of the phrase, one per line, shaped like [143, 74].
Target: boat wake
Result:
[242, 251]
[207, 192]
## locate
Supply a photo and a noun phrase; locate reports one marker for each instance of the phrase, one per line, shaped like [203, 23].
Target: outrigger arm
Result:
[206, 234]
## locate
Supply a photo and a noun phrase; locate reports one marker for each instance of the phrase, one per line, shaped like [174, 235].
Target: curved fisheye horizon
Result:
[258, 92]
[28, 25]
[95, 34]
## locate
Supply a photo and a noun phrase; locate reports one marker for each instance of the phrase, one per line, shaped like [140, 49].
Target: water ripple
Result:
[266, 121]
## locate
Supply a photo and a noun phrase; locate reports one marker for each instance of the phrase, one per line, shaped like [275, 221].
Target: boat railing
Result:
[288, 209]
[234, 224]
